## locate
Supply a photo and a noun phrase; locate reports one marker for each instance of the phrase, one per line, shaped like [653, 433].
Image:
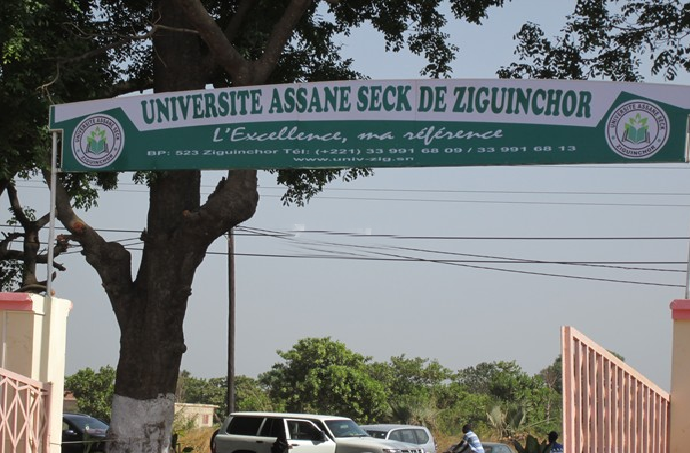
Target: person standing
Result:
[470, 441]
[281, 444]
[553, 446]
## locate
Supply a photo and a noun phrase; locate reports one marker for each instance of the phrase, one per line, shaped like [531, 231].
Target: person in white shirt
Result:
[470, 441]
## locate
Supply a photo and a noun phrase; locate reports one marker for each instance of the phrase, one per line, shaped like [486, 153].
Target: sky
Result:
[361, 262]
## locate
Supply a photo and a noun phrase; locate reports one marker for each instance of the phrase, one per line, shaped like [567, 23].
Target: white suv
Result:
[256, 432]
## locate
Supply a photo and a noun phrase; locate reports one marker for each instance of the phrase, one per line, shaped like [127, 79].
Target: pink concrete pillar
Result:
[32, 343]
[680, 377]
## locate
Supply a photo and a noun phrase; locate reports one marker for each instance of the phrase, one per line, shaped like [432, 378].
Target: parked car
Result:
[256, 432]
[493, 447]
[489, 447]
[82, 433]
[412, 434]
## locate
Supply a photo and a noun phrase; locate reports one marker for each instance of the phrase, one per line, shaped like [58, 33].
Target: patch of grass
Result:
[197, 439]
[444, 441]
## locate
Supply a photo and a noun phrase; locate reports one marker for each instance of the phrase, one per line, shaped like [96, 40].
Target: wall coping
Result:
[680, 309]
[16, 302]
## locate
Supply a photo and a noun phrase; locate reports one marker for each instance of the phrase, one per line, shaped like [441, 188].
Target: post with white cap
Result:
[680, 384]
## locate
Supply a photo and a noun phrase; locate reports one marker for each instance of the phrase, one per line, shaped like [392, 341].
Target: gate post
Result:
[32, 343]
[680, 384]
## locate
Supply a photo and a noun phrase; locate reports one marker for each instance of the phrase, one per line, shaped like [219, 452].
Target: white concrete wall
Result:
[202, 414]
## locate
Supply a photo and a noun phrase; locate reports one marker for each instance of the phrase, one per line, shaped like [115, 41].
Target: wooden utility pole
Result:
[230, 407]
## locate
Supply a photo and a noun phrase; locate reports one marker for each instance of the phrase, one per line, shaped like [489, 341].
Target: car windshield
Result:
[345, 428]
[377, 434]
[89, 424]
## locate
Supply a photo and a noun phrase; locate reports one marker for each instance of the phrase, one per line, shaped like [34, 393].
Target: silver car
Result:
[412, 434]
[268, 432]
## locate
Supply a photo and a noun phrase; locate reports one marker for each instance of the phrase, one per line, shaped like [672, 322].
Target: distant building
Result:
[69, 403]
[202, 414]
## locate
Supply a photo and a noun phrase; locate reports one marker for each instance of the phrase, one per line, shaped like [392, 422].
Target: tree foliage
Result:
[502, 380]
[516, 400]
[195, 390]
[251, 395]
[553, 375]
[320, 375]
[608, 39]
[93, 390]
[413, 376]
[451, 405]
[413, 387]
[37, 37]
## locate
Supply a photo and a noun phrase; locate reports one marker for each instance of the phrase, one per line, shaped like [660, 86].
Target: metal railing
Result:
[24, 420]
[607, 405]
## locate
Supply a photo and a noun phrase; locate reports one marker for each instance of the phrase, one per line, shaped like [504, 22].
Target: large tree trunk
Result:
[151, 315]
[150, 309]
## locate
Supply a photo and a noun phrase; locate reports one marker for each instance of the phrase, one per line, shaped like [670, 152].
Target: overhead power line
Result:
[514, 261]
[143, 190]
[386, 253]
[487, 259]
[325, 196]
[449, 262]
[259, 232]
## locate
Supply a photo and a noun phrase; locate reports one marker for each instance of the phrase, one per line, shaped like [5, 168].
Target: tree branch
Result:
[125, 40]
[233, 201]
[43, 259]
[5, 252]
[280, 35]
[43, 220]
[16, 207]
[237, 19]
[110, 259]
[225, 54]
[129, 86]
[210, 63]
[243, 72]
[4, 182]
[121, 87]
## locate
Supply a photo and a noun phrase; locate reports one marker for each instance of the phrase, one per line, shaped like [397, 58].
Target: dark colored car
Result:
[492, 447]
[82, 434]
[489, 447]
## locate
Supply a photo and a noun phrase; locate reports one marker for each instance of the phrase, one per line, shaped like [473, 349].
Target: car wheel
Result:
[212, 442]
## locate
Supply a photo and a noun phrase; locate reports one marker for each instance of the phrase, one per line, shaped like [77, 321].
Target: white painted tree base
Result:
[141, 426]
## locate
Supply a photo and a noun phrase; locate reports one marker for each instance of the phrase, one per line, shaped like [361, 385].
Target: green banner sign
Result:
[368, 123]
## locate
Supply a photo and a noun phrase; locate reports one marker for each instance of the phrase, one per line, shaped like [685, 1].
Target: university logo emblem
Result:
[97, 141]
[637, 129]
